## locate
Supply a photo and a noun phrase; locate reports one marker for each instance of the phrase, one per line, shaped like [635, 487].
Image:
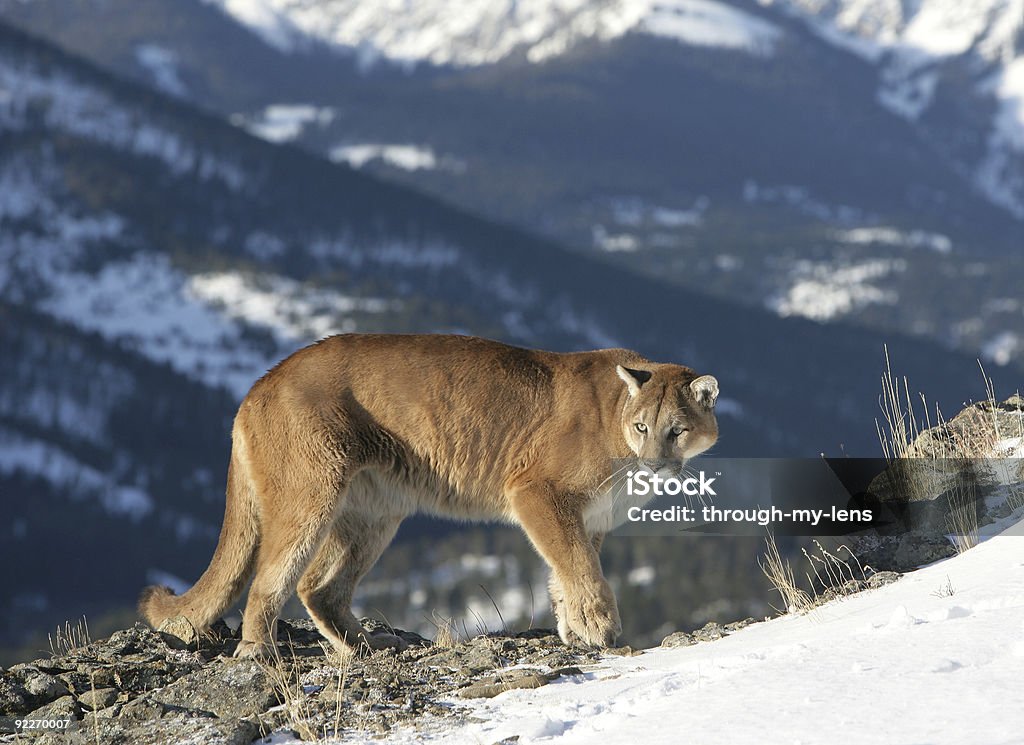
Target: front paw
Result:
[591, 616]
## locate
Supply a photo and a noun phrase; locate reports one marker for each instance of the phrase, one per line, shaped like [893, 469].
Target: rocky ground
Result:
[969, 466]
[141, 686]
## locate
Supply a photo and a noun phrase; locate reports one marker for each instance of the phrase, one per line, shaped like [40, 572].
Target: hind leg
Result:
[285, 551]
[352, 547]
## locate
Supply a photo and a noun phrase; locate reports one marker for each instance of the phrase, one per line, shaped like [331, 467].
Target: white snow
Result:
[895, 237]
[614, 242]
[912, 41]
[405, 156]
[192, 322]
[162, 66]
[75, 107]
[478, 32]
[266, 18]
[823, 291]
[1003, 348]
[906, 663]
[46, 461]
[284, 122]
[711, 24]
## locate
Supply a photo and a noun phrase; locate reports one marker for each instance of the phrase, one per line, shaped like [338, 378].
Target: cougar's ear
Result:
[705, 390]
[632, 378]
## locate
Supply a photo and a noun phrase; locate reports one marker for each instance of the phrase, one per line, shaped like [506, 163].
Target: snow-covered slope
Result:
[917, 47]
[935, 657]
[484, 31]
[920, 45]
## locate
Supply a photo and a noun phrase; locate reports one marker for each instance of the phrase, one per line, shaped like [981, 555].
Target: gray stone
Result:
[880, 579]
[678, 639]
[145, 707]
[494, 686]
[63, 708]
[623, 651]
[205, 730]
[710, 632]
[479, 658]
[237, 688]
[179, 633]
[14, 699]
[43, 687]
[98, 698]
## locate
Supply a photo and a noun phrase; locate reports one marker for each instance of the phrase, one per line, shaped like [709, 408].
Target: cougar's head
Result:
[669, 414]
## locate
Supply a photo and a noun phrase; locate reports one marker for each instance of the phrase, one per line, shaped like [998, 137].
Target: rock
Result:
[146, 691]
[14, 699]
[479, 658]
[205, 730]
[972, 433]
[98, 698]
[880, 579]
[43, 687]
[25, 687]
[179, 633]
[896, 554]
[137, 640]
[623, 651]
[64, 707]
[145, 707]
[916, 550]
[678, 639]
[237, 688]
[710, 632]
[494, 686]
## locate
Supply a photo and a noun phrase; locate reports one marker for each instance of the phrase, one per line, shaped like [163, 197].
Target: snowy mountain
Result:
[837, 161]
[155, 260]
[916, 48]
[479, 33]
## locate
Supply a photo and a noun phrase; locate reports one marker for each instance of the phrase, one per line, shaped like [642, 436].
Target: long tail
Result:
[232, 564]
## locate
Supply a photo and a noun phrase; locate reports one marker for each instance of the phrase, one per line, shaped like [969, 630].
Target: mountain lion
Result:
[339, 442]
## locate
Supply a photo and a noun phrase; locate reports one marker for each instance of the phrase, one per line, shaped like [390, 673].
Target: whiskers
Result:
[617, 477]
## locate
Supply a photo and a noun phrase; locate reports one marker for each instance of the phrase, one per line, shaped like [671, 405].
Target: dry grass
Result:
[304, 718]
[962, 520]
[832, 574]
[945, 590]
[780, 574]
[901, 425]
[447, 635]
[830, 577]
[68, 637]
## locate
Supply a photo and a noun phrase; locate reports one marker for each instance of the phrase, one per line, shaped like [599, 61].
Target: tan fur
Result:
[337, 444]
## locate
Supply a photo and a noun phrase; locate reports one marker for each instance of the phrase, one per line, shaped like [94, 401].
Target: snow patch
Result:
[895, 237]
[162, 66]
[1003, 348]
[711, 24]
[822, 291]
[41, 459]
[405, 156]
[284, 122]
[195, 323]
[480, 32]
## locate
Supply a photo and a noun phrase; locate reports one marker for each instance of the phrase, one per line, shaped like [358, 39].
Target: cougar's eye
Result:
[677, 430]
[641, 428]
